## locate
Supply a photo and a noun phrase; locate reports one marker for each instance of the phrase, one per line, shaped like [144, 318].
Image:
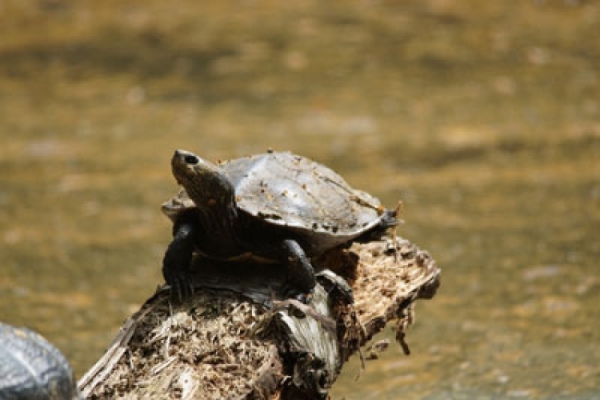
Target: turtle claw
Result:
[181, 288]
[337, 288]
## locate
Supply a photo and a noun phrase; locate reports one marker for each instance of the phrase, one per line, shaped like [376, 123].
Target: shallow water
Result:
[483, 119]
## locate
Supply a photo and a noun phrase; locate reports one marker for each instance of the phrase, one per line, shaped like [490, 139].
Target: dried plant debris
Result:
[206, 345]
[390, 279]
[229, 342]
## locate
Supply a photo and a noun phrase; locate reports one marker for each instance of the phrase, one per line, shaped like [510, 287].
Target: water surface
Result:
[483, 119]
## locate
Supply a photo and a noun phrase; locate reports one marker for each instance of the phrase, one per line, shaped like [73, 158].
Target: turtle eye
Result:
[190, 159]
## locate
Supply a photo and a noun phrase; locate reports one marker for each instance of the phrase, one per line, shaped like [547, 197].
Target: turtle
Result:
[32, 368]
[274, 207]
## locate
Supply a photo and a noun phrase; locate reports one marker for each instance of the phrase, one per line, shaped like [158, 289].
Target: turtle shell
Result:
[32, 368]
[292, 191]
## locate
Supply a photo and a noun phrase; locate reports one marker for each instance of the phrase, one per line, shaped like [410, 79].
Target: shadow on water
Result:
[483, 119]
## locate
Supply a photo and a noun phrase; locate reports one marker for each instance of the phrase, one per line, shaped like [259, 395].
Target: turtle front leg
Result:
[178, 259]
[300, 275]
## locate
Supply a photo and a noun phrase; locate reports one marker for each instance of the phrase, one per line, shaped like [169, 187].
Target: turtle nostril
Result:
[190, 159]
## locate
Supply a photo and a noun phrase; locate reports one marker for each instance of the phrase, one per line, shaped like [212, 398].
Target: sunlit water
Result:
[483, 119]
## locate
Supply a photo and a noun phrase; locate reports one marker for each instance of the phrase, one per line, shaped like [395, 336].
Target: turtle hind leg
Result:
[178, 258]
[300, 273]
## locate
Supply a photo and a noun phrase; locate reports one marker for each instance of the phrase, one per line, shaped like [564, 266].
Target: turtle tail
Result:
[388, 221]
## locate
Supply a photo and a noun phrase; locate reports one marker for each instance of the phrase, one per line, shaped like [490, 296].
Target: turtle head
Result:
[206, 183]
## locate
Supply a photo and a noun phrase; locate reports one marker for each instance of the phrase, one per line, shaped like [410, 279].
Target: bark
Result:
[238, 338]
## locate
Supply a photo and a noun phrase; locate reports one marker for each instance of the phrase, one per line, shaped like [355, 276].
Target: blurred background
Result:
[482, 117]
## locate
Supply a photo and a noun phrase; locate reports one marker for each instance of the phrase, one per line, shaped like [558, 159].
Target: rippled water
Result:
[483, 118]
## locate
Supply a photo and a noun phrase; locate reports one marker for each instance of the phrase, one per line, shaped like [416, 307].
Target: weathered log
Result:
[237, 337]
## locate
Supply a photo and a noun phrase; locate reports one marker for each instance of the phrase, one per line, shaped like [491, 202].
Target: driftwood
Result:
[238, 338]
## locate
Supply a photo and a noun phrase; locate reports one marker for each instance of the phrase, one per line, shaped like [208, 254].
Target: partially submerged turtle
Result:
[32, 368]
[273, 207]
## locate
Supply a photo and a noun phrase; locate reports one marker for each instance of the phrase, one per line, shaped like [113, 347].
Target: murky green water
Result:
[483, 118]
